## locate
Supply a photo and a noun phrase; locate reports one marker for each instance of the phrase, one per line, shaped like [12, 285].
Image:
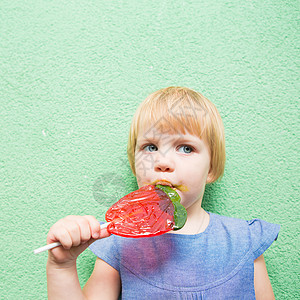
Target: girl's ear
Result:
[210, 177]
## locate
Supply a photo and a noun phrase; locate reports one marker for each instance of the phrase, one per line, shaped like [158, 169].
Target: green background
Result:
[72, 74]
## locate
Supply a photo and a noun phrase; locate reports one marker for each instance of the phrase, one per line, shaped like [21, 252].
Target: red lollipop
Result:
[149, 211]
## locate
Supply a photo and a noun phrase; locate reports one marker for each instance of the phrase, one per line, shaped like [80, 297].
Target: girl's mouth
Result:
[180, 187]
[163, 182]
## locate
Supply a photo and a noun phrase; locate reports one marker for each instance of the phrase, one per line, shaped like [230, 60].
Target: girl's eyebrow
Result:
[144, 140]
[170, 138]
[185, 139]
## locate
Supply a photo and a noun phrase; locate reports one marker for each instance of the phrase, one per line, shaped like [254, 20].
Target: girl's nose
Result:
[163, 165]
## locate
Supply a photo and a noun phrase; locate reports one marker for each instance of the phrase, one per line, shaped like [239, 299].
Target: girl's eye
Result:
[150, 148]
[185, 149]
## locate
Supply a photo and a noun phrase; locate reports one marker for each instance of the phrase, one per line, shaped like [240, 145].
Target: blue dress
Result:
[215, 264]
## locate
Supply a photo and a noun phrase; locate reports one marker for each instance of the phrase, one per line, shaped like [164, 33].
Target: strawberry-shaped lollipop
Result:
[149, 211]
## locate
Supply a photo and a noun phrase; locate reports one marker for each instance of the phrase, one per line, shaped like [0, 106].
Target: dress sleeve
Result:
[263, 234]
[107, 250]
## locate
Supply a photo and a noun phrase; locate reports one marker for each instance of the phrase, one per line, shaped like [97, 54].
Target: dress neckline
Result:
[195, 235]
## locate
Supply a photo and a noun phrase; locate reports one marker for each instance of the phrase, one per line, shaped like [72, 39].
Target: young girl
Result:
[176, 139]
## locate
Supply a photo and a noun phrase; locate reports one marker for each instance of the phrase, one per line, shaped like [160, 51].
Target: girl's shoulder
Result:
[256, 234]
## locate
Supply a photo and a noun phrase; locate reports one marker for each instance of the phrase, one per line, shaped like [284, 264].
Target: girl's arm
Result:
[104, 282]
[262, 284]
[63, 283]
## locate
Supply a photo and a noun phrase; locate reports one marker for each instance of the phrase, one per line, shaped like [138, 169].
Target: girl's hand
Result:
[75, 233]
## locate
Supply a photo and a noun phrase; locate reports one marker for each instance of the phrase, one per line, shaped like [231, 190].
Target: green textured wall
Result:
[72, 74]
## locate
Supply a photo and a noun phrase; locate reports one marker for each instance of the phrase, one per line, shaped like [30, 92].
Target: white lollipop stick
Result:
[57, 244]
[47, 247]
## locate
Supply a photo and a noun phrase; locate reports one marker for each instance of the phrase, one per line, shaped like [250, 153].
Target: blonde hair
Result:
[181, 110]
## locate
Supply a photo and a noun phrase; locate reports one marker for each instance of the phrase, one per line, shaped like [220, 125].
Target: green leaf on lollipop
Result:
[180, 214]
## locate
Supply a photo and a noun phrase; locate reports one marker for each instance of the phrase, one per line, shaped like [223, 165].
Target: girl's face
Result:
[181, 161]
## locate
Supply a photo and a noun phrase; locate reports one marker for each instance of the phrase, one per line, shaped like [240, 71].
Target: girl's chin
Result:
[189, 202]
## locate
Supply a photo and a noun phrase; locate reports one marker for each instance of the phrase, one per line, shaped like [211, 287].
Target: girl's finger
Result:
[85, 230]
[63, 236]
[94, 226]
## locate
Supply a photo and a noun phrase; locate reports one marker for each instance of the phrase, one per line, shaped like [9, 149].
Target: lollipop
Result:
[149, 211]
